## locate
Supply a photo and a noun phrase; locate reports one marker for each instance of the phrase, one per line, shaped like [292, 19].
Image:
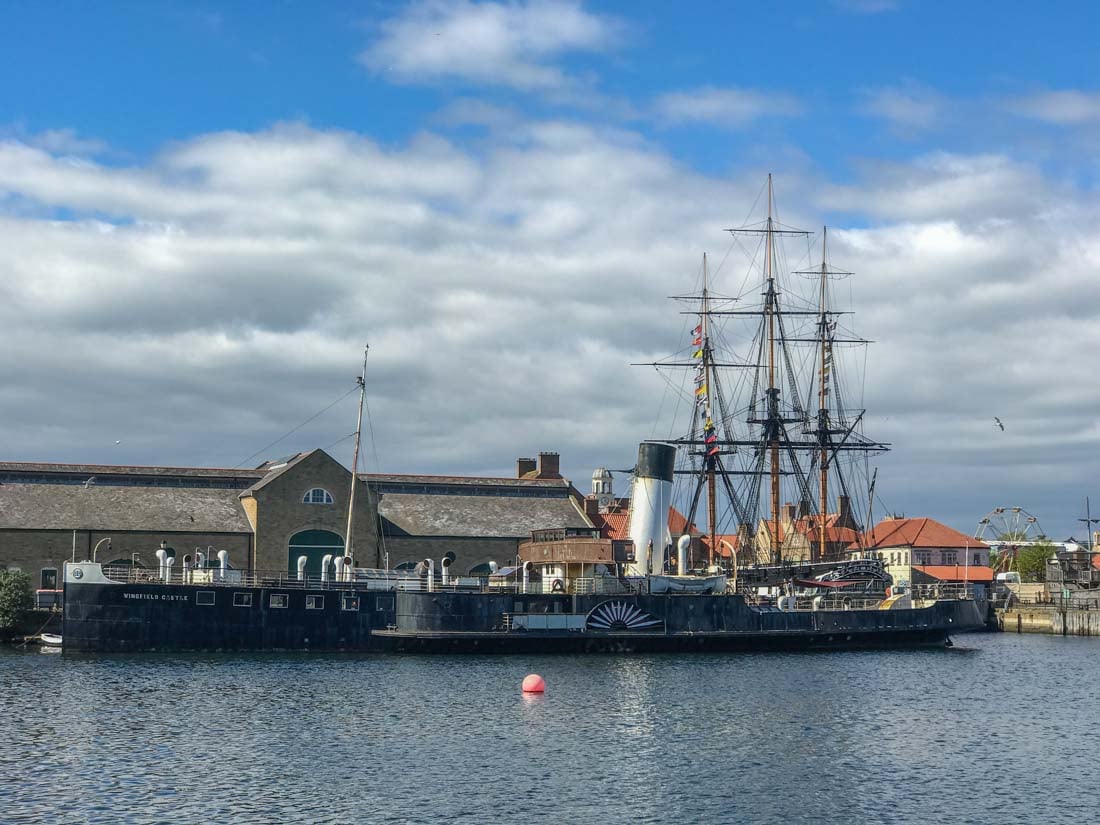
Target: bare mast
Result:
[822, 406]
[362, 380]
[770, 310]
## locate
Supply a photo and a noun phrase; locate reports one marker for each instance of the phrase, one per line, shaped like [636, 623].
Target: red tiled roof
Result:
[956, 572]
[916, 532]
[617, 525]
[724, 543]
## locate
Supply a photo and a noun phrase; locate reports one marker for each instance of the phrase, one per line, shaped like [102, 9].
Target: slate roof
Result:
[413, 514]
[108, 507]
[380, 480]
[916, 532]
[42, 467]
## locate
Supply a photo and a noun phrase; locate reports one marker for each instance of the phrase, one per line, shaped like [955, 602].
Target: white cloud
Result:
[495, 44]
[1066, 107]
[728, 108]
[906, 108]
[201, 304]
[973, 189]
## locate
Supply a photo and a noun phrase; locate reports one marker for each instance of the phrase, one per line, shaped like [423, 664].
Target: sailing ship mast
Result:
[780, 428]
[362, 380]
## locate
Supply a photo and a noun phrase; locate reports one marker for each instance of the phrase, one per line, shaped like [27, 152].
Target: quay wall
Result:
[1051, 620]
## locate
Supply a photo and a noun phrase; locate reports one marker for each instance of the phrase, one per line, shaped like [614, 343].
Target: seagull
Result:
[119, 441]
[999, 424]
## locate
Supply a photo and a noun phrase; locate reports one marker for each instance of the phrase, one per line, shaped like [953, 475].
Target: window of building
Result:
[49, 578]
[977, 558]
[205, 598]
[350, 603]
[315, 602]
[950, 557]
[242, 600]
[279, 600]
[317, 495]
[924, 558]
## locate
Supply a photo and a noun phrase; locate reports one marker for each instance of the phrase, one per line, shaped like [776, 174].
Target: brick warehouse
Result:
[267, 517]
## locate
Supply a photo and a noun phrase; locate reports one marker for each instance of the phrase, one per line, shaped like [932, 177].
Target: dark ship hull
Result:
[152, 616]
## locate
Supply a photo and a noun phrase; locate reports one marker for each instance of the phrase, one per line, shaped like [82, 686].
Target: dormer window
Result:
[317, 496]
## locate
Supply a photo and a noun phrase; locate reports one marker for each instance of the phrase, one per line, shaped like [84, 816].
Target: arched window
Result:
[317, 495]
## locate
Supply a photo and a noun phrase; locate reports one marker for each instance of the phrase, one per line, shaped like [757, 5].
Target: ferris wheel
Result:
[1005, 530]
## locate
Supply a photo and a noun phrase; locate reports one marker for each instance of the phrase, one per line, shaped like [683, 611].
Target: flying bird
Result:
[999, 424]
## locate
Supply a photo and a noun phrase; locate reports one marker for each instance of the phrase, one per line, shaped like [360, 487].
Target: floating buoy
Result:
[533, 683]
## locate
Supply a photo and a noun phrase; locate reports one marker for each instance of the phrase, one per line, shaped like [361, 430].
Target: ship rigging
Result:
[783, 428]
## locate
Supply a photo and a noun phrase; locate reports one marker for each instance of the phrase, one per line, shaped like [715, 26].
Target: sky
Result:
[207, 210]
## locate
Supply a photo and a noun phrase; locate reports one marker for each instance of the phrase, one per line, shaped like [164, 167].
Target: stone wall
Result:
[280, 513]
[32, 550]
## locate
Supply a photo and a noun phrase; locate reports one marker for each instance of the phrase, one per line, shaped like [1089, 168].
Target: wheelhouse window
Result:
[279, 600]
[318, 495]
[242, 600]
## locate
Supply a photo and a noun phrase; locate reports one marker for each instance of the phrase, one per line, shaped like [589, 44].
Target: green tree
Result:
[1031, 561]
[15, 598]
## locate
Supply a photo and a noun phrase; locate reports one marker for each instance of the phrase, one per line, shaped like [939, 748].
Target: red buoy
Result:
[534, 683]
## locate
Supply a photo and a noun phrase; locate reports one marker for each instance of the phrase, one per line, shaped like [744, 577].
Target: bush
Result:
[15, 598]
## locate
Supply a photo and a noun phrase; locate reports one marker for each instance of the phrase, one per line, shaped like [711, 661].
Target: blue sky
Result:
[137, 75]
[204, 210]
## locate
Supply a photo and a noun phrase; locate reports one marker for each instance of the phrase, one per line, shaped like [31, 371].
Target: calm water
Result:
[1001, 729]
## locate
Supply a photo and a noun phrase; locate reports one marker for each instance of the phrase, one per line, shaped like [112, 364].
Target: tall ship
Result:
[730, 541]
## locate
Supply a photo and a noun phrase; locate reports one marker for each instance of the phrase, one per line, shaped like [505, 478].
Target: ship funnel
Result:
[325, 562]
[527, 568]
[168, 562]
[650, 499]
[348, 564]
[431, 574]
[445, 566]
[340, 562]
[302, 562]
[682, 554]
[223, 561]
[161, 556]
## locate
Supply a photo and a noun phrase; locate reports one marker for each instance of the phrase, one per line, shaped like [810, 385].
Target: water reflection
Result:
[877, 736]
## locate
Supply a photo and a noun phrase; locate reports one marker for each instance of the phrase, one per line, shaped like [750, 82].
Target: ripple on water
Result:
[1002, 730]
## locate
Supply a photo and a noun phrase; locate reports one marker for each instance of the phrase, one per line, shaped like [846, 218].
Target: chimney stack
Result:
[549, 464]
[524, 466]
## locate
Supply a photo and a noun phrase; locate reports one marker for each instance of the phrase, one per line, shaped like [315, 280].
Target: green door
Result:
[314, 545]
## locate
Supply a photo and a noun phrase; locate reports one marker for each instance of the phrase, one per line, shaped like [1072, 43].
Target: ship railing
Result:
[363, 579]
[942, 590]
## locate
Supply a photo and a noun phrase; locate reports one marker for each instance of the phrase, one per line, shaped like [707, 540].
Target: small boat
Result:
[50, 639]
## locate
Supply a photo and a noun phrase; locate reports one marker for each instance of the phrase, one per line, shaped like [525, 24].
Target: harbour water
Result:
[1001, 728]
